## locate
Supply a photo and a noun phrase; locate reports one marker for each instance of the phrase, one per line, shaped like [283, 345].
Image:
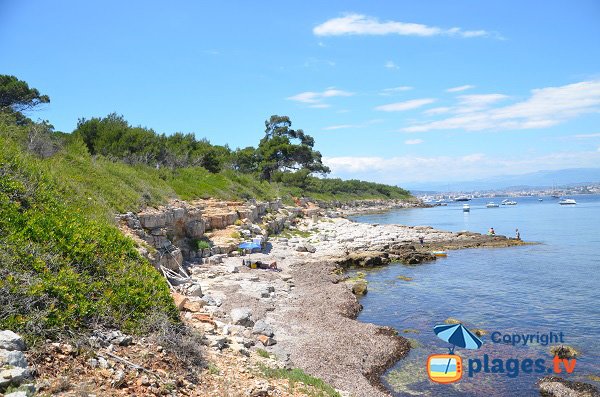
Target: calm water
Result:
[553, 286]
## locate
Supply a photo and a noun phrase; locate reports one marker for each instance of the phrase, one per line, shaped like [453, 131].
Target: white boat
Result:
[567, 202]
[466, 208]
[540, 199]
[491, 204]
[508, 202]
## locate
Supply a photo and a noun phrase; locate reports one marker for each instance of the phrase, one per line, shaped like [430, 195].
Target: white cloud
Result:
[339, 127]
[545, 107]
[586, 136]
[473, 103]
[413, 141]
[438, 110]
[453, 168]
[358, 24]
[406, 105]
[315, 99]
[346, 126]
[391, 65]
[460, 88]
[395, 90]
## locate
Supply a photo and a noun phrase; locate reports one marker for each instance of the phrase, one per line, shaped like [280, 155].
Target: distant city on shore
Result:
[522, 191]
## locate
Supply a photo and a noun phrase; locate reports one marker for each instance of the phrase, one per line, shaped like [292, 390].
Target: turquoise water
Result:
[553, 286]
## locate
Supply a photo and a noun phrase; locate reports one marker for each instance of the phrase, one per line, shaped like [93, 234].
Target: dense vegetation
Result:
[64, 264]
[59, 268]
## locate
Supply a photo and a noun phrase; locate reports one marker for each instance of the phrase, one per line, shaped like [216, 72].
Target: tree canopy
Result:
[278, 151]
[17, 96]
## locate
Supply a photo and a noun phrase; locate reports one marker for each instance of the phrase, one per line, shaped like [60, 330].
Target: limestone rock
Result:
[194, 290]
[14, 358]
[179, 300]
[262, 328]
[13, 376]
[242, 316]
[11, 341]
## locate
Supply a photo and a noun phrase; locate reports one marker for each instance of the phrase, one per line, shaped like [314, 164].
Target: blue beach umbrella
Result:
[250, 245]
[457, 335]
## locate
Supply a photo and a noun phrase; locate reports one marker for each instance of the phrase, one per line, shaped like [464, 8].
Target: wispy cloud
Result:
[460, 88]
[413, 141]
[474, 103]
[390, 65]
[315, 63]
[316, 99]
[438, 110]
[406, 105]
[453, 168]
[358, 24]
[586, 136]
[395, 90]
[545, 107]
[347, 126]
[340, 127]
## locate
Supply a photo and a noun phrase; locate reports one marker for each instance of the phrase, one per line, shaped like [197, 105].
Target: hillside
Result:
[64, 264]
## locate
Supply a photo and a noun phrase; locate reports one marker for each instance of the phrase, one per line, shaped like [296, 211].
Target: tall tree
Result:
[16, 96]
[284, 149]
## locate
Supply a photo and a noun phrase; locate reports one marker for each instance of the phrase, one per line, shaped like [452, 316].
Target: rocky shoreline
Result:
[304, 314]
[301, 315]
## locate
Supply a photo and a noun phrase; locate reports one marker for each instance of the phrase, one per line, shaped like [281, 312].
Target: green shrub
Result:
[202, 244]
[62, 269]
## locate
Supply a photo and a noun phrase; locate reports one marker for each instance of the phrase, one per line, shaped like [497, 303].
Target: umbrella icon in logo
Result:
[457, 335]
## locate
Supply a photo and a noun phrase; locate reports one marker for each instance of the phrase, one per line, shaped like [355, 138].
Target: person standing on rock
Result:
[517, 234]
[491, 232]
[422, 241]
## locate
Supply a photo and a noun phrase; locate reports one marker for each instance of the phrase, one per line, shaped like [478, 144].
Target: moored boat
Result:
[439, 253]
[567, 202]
[466, 208]
[491, 204]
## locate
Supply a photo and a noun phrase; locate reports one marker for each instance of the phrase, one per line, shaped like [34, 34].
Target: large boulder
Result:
[195, 228]
[262, 328]
[11, 341]
[242, 316]
[14, 358]
[152, 220]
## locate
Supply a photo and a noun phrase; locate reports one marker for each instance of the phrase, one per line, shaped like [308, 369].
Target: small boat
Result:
[466, 208]
[508, 202]
[567, 202]
[462, 198]
[491, 204]
[440, 253]
[540, 199]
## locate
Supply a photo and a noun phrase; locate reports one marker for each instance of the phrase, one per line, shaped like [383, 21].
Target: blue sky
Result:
[392, 91]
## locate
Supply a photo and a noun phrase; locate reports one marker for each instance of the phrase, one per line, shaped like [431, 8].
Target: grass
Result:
[290, 233]
[263, 353]
[296, 375]
[64, 265]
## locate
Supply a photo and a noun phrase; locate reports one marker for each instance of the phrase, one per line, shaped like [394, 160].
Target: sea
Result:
[549, 287]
